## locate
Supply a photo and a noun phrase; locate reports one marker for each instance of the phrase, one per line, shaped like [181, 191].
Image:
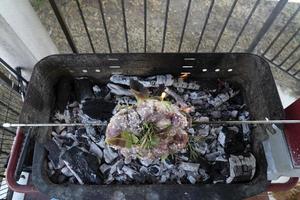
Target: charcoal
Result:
[66, 171]
[97, 91]
[234, 143]
[119, 90]
[53, 154]
[98, 109]
[83, 165]
[128, 171]
[153, 81]
[192, 167]
[96, 150]
[109, 155]
[84, 89]
[104, 168]
[220, 153]
[63, 92]
[242, 168]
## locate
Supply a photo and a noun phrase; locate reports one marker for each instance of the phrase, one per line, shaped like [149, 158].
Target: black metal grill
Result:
[292, 69]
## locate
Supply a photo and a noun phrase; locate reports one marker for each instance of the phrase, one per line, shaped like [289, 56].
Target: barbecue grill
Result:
[251, 72]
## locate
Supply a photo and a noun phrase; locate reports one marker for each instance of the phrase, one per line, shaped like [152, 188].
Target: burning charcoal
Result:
[53, 154]
[98, 109]
[96, 150]
[109, 155]
[201, 119]
[102, 143]
[83, 89]
[97, 90]
[192, 167]
[153, 81]
[104, 168]
[83, 165]
[63, 91]
[128, 171]
[127, 160]
[242, 168]
[118, 90]
[180, 83]
[66, 171]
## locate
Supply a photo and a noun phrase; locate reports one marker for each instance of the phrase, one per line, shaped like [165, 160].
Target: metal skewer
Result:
[6, 125]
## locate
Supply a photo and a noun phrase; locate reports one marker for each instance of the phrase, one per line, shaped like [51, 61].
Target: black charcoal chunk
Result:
[234, 143]
[83, 165]
[54, 153]
[84, 89]
[63, 92]
[98, 109]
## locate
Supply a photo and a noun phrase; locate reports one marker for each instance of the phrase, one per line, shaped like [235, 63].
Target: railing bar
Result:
[297, 47]
[282, 30]
[297, 72]
[184, 24]
[125, 25]
[10, 108]
[283, 47]
[205, 23]
[104, 25]
[9, 131]
[145, 26]
[165, 26]
[293, 65]
[12, 70]
[245, 24]
[63, 26]
[268, 23]
[85, 25]
[224, 25]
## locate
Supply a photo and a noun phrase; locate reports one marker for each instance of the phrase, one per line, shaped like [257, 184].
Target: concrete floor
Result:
[134, 9]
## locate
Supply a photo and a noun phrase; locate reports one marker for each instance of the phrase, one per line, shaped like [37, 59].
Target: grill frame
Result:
[248, 69]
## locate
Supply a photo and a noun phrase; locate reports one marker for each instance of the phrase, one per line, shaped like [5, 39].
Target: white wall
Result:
[23, 39]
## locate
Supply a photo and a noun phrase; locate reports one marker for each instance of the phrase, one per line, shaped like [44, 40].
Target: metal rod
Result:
[245, 24]
[293, 65]
[104, 25]
[288, 57]
[251, 122]
[165, 26]
[281, 31]
[224, 25]
[184, 24]
[268, 23]
[202, 122]
[63, 26]
[12, 70]
[283, 47]
[85, 25]
[205, 23]
[145, 26]
[125, 25]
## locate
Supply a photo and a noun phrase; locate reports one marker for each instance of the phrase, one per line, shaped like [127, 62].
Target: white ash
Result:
[211, 143]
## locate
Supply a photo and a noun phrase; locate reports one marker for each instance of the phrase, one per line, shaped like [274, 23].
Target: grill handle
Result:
[12, 164]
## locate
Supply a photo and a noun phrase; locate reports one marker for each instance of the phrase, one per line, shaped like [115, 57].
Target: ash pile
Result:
[211, 154]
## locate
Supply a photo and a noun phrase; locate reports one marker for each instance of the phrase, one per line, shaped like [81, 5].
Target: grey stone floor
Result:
[134, 10]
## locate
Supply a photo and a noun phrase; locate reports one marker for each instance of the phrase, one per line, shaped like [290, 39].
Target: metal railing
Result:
[292, 69]
[10, 107]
